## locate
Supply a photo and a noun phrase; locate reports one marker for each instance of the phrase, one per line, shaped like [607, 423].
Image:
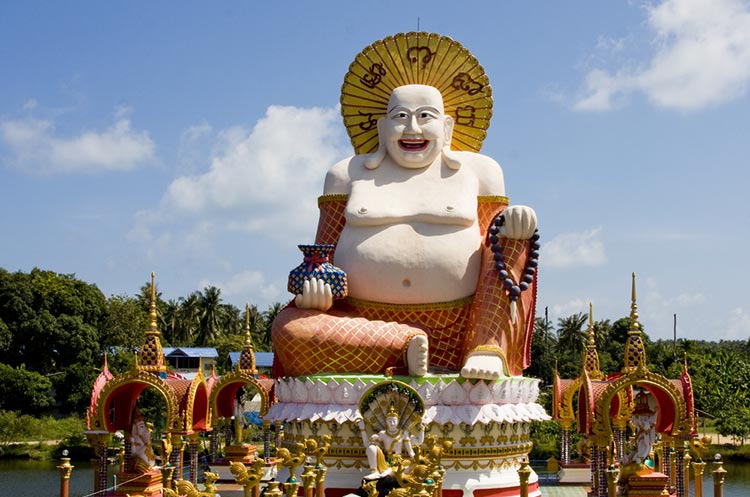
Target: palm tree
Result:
[209, 316]
[231, 320]
[170, 321]
[571, 335]
[187, 321]
[270, 314]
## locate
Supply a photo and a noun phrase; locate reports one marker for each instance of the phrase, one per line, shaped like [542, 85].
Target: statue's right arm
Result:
[338, 179]
[317, 294]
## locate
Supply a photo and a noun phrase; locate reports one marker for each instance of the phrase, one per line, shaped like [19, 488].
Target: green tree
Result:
[54, 321]
[187, 320]
[209, 316]
[543, 346]
[269, 315]
[571, 339]
[25, 391]
[125, 325]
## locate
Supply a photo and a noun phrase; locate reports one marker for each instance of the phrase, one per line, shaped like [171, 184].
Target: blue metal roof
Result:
[262, 359]
[190, 352]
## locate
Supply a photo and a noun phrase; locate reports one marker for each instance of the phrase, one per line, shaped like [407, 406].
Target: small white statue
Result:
[381, 446]
[140, 445]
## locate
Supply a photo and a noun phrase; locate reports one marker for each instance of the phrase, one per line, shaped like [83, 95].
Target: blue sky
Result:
[191, 139]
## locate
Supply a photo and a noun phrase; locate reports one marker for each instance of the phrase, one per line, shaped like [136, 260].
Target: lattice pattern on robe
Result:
[490, 321]
[308, 341]
[331, 220]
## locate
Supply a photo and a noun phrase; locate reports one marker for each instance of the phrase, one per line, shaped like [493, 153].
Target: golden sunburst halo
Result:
[416, 58]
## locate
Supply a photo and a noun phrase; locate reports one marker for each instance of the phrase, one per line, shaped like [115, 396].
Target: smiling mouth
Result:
[413, 145]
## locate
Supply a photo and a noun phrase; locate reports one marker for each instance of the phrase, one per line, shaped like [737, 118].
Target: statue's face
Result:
[414, 130]
[391, 424]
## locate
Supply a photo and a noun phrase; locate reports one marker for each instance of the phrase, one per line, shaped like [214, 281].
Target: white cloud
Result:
[271, 174]
[251, 285]
[571, 307]
[568, 250]
[738, 324]
[701, 58]
[35, 146]
[255, 197]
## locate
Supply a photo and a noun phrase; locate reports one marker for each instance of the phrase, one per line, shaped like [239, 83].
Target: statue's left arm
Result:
[492, 326]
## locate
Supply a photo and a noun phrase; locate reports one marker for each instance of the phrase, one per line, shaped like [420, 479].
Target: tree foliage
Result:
[55, 330]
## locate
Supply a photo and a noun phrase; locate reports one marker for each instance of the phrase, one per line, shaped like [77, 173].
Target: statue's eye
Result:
[401, 115]
[425, 115]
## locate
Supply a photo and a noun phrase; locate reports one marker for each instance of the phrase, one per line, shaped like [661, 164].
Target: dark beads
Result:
[499, 220]
[494, 239]
[528, 278]
[502, 273]
[514, 292]
[523, 286]
[507, 283]
[497, 256]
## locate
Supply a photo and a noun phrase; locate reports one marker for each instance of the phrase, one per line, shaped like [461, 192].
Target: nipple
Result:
[362, 210]
[450, 208]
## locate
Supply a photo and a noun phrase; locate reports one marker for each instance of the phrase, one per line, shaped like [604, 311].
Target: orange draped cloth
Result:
[366, 337]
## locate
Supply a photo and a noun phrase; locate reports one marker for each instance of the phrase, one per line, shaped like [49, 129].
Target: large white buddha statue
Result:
[410, 222]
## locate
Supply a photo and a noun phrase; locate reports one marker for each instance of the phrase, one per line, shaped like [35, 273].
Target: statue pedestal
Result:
[244, 453]
[139, 484]
[487, 421]
[644, 485]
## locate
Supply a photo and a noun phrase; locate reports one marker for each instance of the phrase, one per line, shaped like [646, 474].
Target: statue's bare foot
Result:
[417, 355]
[484, 365]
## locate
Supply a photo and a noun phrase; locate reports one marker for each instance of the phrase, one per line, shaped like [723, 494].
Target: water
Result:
[25, 478]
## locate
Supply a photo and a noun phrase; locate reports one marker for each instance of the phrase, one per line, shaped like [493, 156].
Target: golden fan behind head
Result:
[416, 58]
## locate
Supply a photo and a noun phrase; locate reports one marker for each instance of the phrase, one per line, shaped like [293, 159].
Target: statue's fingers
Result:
[328, 296]
[315, 287]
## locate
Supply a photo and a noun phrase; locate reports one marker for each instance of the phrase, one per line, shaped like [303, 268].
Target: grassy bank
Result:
[27, 437]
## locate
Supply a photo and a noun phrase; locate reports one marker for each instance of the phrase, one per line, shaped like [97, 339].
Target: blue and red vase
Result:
[315, 264]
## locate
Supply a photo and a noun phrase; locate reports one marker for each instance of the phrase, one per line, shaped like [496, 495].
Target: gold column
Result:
[308, 480]
[612, 474]
[718, 474]
[320, 477]
[166, 476]
[273, 489]
[698, 468]
[524, 473]
[66, 469]
[99, 442]
[686, 473]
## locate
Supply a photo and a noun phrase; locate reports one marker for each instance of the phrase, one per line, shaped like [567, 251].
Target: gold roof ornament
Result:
[151, 357]
[635, 352]
[591, 360]
[247, 357]
[416, 58]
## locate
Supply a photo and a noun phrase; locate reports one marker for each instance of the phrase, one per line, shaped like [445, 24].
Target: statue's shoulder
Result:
[340, 175]
[486, 169]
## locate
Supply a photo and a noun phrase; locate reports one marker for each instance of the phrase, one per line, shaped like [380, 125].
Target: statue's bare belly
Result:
[410, 263]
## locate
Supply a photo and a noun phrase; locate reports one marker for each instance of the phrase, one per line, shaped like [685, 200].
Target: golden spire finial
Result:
[634, 325]
[592, 339]
[248, 339]
[152, 307]
[151, 357]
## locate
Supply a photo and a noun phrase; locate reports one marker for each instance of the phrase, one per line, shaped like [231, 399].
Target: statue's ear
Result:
[450, 158]
[448, 127]
[374, 160]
